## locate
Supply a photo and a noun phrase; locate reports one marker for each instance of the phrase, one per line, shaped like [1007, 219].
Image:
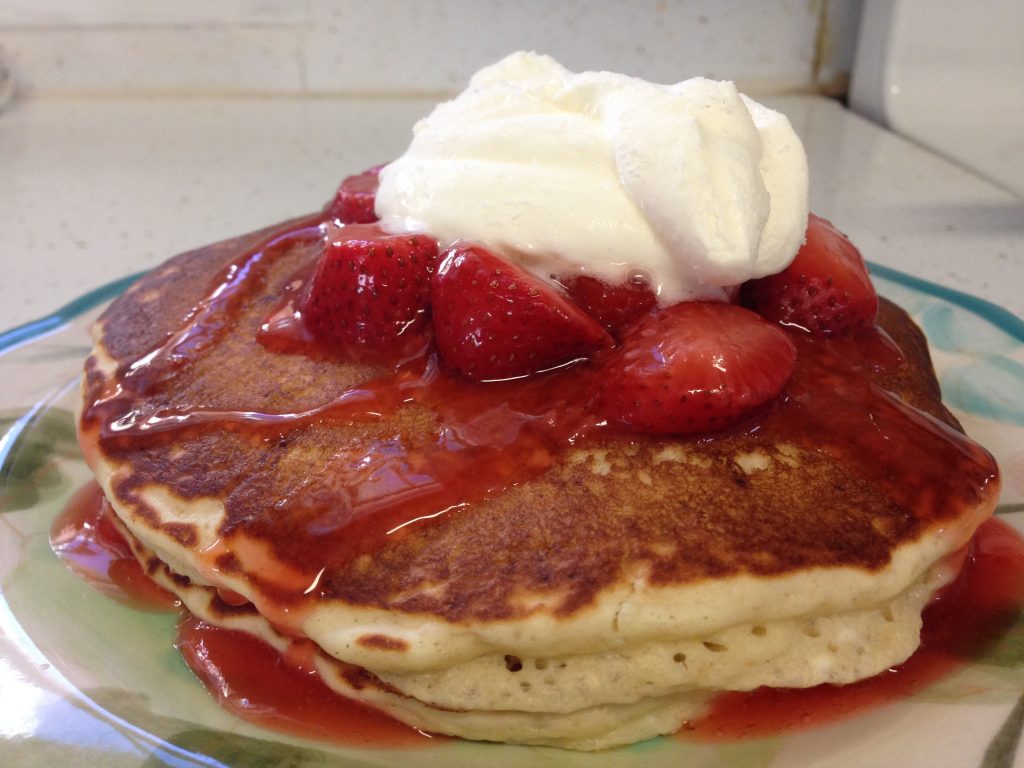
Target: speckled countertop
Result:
[94, 189]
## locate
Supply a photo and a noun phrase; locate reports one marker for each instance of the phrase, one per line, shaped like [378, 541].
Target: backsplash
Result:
[400, 47]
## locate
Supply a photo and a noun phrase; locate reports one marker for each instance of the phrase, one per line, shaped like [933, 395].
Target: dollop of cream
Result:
[694, 186]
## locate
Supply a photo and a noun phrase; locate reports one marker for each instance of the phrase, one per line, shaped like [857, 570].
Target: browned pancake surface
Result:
[561, 537]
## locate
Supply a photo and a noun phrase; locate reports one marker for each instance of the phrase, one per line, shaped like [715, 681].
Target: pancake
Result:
[483, 561]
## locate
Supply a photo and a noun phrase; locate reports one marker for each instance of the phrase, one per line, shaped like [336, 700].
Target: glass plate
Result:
[85, 680]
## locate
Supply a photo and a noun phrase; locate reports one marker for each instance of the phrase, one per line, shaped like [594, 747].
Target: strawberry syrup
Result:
[85, 539]
[282, 692]
[245, 675]
[499, 434]
[494, 436]
[963, 620]
[254, 682]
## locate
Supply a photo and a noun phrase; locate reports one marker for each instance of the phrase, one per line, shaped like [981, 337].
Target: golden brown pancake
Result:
[495, 577]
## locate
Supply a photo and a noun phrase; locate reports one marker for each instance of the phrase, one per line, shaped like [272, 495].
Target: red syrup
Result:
[254, 682]
[493, 436]
[281, 691]
[490, 437]
[964, 619]
[85, 539]
[243, 674]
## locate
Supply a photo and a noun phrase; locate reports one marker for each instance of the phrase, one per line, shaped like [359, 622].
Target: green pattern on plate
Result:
[29, 473]
[1002, 750]
[1008, 650]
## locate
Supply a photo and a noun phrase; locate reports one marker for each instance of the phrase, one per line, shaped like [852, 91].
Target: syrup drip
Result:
[121, 408]
[965, 618]
[901, 449]
[490, 439]
[254, 682]
[284, 330]
[85, 539]
[245, 675]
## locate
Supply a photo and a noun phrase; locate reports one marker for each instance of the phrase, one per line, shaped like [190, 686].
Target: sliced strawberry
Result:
[613, 306]
[371, 291]
[825, 290]
[694, 367]
[356, 197]
[493, 320]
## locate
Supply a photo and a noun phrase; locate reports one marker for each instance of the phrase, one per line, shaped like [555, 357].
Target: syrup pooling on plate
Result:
[488, 437]
[246, 676]
[85, 537]
[283, 691]
[961, 622]
[256, 683]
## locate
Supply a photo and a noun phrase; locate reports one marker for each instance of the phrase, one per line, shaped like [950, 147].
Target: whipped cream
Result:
[694, 186]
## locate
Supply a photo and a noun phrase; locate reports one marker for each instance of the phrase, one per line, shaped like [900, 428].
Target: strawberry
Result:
[370, 292]
[613, 306]
[493, 320]
[356, 197]
[694, 367]
[825, 290]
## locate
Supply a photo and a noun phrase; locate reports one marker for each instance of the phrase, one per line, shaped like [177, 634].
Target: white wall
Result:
[402, 47]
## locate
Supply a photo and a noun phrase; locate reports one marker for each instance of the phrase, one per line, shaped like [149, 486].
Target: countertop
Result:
[94, 189]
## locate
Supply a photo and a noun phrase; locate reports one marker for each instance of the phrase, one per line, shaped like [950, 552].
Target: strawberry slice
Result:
[371, 291]
[825, 290]
[356, 197]
[694, 367]
[493, 320]
[613, 306]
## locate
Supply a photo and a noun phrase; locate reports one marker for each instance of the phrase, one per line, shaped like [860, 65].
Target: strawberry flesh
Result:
[493, 320]
[693, 367]
[826, 290]
[370, 294]
[356, 197]
[613, 306]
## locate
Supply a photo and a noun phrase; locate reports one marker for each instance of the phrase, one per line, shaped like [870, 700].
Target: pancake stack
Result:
[445, 554]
